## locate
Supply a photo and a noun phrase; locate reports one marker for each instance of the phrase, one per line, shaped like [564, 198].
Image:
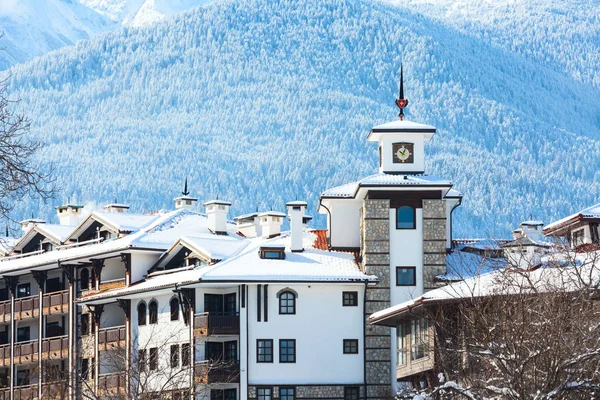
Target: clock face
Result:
[403, 152]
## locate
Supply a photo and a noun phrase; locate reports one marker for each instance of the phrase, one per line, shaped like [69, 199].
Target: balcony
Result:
[26, 352]
[112, 284]
[5, 314]
[55, 303]
[208, 324]
[112, 338]
[55, 348]
[27, 307]
[112, 384]
[207, 372]
[54, 390]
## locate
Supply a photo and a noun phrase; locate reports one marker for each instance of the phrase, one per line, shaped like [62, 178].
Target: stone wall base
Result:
[308, 392]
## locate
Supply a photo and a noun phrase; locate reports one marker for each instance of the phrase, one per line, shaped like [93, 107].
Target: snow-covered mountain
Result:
[262, 101]
[35, 27]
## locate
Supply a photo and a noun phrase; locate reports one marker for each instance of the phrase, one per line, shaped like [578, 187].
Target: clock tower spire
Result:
[401, 102]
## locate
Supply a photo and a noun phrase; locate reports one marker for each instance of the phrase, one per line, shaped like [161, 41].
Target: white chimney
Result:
[68, 214]
[116, 208]
[296, 214]
[30, 223]
[248, 225]
[532, 229]
[185, 202]
[270, 223]
[217, 210]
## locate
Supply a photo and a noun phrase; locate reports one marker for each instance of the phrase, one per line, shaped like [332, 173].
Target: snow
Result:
[350, 189]
[215, 247]
[123, 222]
[55, 231]
[590, 212]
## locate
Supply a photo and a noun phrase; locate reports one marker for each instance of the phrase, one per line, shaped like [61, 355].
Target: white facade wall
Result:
[141, 262]
[344, 224]
[319, 327]
[388, 165]
[113, 269]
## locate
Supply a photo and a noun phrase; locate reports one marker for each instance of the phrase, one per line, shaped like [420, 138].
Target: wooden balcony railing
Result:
[112, 384]
[112, 284]
[111, 338]
[27, 307]
[206, 372]
[26, 352]
[25, 392]
[55, 348]
[207, 324]
[5, 355]
[55, 303]
[5, 314]
[54, 390]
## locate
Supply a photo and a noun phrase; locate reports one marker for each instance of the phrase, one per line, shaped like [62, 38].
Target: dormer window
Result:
[272, 252]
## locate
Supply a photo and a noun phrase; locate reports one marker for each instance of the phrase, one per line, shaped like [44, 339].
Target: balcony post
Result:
[12, 282]
[126, 307]
[69, 271]
[98, 264]
[40, 278]
[97, 313]
[126, 260]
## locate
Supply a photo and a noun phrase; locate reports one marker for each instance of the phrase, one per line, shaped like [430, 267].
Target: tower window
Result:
[153, 308]
[141, 314]
[405, 218]
[406, 276]
[174, 309]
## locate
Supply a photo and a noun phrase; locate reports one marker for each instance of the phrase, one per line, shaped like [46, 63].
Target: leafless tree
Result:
[521, 333]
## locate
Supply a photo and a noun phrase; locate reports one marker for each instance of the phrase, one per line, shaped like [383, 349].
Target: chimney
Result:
[248, 225]
[217, 210]
[532, 229]
[270, 223]
[30, 223]
[116, 208]
[68, 214]
[185, 201]
[296, 214]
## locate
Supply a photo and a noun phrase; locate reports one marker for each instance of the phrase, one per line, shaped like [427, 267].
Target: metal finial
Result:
[185, 189]
[6, 228]
[401, 102]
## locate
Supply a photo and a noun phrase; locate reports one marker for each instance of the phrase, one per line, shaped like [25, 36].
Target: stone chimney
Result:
[116, 208]
[217, 210]
[270, 223]
[296, 215]
[68, 214]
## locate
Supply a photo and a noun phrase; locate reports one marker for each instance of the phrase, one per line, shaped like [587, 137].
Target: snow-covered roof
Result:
[503, 281]
[32, 221]
[311, 265]
[219, 202]
[527, 241]
[532, 223]
[56, 233]
[592, 212]
[296, 203]
[116, 221]
[463, 264]
[350, 189]
[271, 214]
[186, 198]
[116, 205]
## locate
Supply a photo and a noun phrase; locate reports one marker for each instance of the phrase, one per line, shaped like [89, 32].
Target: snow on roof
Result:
[32, 221]
[503, 281]
[350, 189]
[454, 193]
[463, 264]
[310, 265]
[58, 232]
[296, 203]
[527, 241]
[403, 126]
[215, 247]
[590, 212]
[532, 223]
[116, 205]
[124, 222]
[221, 202]
[185, 198]
[271, 214]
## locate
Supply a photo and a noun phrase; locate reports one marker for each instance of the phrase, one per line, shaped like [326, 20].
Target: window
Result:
[85, 369]
[141, 309]
[419, 339]
[85, 324]
[351, 393]
[84, 279]
[577, 238]
[174, 355]
[405, 218]
[23, 377]
[185, 354]
[142, 359]
[174, 309]
[287, 351]
[264, 351]
[23, 290]
[153, 361]
[402, 331]
[153, 310]
[287, 393]
[350, 299]
[272, 253]
[23, 334]
[350, 346]
[230, 350]
[53, 285]
[230, 394]
[406, 276]
[223, 394]
[264, 393]
[287, 303]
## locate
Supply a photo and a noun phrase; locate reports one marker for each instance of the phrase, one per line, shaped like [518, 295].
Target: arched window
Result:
[153, 311]
[141, 313]
[405, 218]
[174, 309]
[287, 303]
[84, 279]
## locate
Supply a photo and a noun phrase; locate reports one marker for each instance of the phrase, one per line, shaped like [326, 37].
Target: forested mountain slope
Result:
[262, 102]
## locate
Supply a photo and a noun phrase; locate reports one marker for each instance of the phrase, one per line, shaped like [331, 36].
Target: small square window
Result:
[287, 393]
[350, 346]
[351, 393]
[350, 299]
[24, 290]
[287, 351]
[264, 350]
[406, 276]
[264, 393]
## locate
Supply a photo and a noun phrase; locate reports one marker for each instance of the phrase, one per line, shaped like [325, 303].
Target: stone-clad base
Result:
[307, 392]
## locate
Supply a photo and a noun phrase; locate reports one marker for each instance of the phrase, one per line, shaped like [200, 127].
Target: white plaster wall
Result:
[112, 315]
[113, 269]
[406, 250]
[319, 327]
[33, 328]
[344, 226]
[388, 164]
[141, 262]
